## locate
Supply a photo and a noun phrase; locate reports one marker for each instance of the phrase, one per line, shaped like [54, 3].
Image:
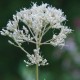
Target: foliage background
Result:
[64, 62]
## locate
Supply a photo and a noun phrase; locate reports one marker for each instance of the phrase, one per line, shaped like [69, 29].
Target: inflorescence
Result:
[38, 21]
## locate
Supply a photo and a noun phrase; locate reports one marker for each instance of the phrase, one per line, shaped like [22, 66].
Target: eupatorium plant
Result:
[38, 21]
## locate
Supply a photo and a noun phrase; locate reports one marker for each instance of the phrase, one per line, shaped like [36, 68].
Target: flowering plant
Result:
[38, 21]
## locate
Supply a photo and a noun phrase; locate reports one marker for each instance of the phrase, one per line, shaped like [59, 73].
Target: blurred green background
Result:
[64, 63]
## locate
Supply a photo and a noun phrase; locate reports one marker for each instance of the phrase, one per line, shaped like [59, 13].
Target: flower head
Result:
[37, 21]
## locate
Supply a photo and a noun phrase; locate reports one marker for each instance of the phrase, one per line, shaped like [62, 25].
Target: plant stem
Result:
[37, 72]
[37, 69]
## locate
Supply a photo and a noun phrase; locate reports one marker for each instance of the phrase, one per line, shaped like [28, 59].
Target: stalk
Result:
[37, 68]
[37, 72]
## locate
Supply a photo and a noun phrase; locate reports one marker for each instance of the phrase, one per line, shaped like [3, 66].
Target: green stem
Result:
[37, 68]
[37, 72]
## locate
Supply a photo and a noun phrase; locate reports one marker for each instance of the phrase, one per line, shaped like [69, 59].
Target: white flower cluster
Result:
[36, 59]
[60, 39]
[38, 21]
